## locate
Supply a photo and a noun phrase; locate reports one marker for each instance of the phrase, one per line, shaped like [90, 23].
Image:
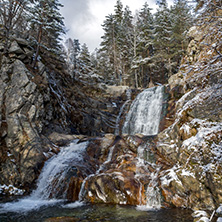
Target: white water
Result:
[122, 109]
[143, 117]
[54, 168]
[153, 196]
[145, 112]
[153, 192]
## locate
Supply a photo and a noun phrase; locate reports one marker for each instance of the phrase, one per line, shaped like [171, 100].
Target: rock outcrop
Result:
[191, 145]
[37, 103]
[113, 172]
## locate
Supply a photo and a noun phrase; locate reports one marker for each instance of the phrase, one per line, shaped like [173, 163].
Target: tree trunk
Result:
[38, 47]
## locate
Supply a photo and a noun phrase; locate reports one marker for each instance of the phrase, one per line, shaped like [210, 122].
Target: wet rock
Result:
[114, 188]
[119, 177]
[63, 139]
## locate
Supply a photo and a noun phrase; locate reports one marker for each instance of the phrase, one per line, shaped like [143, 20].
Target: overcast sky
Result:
[83, 18]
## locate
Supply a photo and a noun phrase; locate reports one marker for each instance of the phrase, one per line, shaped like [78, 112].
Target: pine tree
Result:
[127, 44]
[108, 46]
[119, 40]
[85, 61]
[47, 20]
[12, 17]
[136, 41]
[104, 67]
[163, 41]
[181, 22]
[145, 46]
[72, 50]
[76, 62]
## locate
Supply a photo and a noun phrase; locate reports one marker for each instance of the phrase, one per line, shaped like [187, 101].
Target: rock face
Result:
[112, 172]
[191, 145]
[21, 123]
[35, 103]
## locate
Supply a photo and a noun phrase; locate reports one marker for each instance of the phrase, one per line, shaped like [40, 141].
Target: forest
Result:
[135, 50]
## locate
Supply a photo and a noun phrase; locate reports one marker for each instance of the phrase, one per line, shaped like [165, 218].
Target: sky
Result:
[83, 18]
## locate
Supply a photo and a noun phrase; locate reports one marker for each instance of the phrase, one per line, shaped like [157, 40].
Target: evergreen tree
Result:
[105, 67]
[136, 41]
[13, 17]
[181, 22]
[119, 40]
[163, 41]
[145, 46]
[72, 50]
[85, 60]
[108, 46]
[76, 62]
[47, 20]
[127, 44]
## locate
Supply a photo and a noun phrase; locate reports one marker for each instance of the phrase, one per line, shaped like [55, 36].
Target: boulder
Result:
[15, 48]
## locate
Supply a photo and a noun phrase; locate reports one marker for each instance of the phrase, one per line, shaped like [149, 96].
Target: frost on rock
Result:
[219, 210]
[169, 177]
[10, 189]
[200, 213]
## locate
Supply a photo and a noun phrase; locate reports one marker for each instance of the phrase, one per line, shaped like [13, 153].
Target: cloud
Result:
[83, 18]
[77, 15]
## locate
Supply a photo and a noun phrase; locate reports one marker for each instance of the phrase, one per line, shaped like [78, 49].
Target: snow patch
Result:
[11, 190]
[219, 210]
[187, 173]
[169, 177]
[199, 213]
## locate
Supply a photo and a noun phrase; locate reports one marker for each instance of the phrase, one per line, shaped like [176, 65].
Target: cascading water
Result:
[145, 112]
[122, 109]
[153, 196]
[143, 117]
[51, 178]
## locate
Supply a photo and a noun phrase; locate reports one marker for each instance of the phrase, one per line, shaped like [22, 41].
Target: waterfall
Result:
[143, 117]
[153, 196]
[122, 109]
[55, 171]
[145, 113]
[51, 180]
[153, 192]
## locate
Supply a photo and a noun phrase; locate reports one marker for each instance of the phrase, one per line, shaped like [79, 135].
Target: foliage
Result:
[47, 20]
[147, 47]
[12, 17]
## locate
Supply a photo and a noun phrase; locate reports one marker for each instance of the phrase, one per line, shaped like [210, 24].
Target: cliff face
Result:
[37, 104]
[192, 144]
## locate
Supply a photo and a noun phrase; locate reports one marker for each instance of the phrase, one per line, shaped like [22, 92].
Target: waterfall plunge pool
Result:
[62, 212]
[39, 207]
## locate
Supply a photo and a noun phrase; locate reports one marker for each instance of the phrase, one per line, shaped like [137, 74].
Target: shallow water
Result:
[99, 212]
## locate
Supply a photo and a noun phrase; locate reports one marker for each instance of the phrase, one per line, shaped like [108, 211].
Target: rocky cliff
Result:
[191, 145]
[38, 104]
